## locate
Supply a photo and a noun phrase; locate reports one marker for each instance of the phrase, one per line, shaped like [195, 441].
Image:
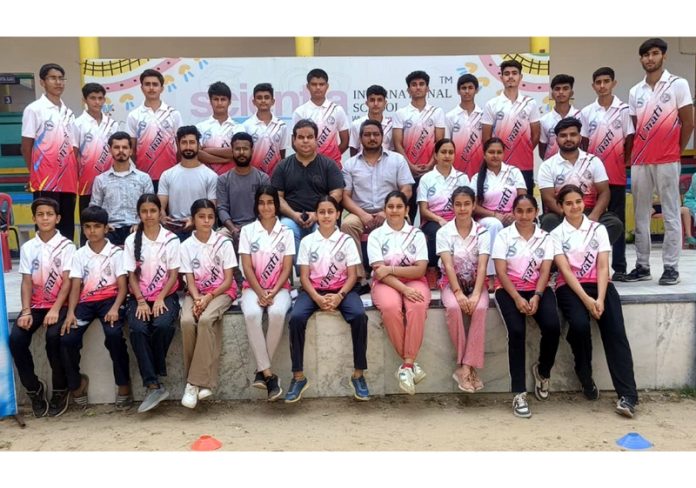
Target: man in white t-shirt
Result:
[185, 183]
[562, 94]
[376, 102]
[217, 130]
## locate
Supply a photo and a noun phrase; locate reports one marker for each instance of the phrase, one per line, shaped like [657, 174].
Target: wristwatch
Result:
[539, 293]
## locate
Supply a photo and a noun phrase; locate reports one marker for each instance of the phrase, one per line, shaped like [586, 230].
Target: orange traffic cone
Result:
[206, 443]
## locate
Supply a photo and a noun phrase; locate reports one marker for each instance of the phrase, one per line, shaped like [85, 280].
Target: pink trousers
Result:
[470, 347]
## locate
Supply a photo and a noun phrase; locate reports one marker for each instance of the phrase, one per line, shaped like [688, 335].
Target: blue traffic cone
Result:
[634, 441]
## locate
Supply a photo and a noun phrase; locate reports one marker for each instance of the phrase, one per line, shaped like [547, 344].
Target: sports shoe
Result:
[406, 382]
[669, 277]
[520, 407]
[360, 391]
[190, 398]
[273, 387]
[60, 400]
[541, 384]
[640, 273]
[475, 380]
[591, 392]
[259, 381]
[690, 241]
[618, 276]
[81, 400]
[418, 373]
[625, 407]
[295, 390]
[204, 393]
[123, 402]
[463, 383]
[153, 398]
[39, 405]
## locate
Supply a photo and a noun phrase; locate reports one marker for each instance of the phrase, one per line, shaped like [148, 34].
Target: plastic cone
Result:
[634, 441]
[206, 443]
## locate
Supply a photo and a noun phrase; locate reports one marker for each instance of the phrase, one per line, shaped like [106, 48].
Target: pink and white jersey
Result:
[46, 262]
[500, 190]
[606, 130]
[419, 131]
[269, 140]
[94, 154]
[156, 259]
[464, 129]
[387, 125]
[557, 172]
[658, 128]
[524, 258]
[266, 251]
[328, 259]
[53, 163]
[548, 123]
[582, 247]
[99, 272]
[155, 134]
[403, 247]
[208, 262]
[330, 119]
[511, 122]
[436, 189]
[464, 251]
[217, 135]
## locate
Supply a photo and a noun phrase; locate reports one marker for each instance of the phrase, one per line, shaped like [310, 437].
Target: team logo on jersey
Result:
[511, 251]
[551, 134]
[340, 257]
[141, 125]
[587, 174]
[206, 135]
[411, 248]
[566, 246]
[280, 247]
[385, 249]
[255, 138]
[500, 115]
[313, 257]
[479, 126]
[509, 181]
[255, 247]
[455, 127]
[166, 124]
[276, 138]
[666, 97]
[331, 120]
[195, 263]
[560, 179]
[89, 137]
[217, 261]
[431, 191]
[430, 123]
[408, 124]
[107, 270]
[594, 244]
[539, 253]
[34, 265]
[49, 125]
[57, 262]
[524, 115]
[616, 124]
[640, 102]
[593, 127]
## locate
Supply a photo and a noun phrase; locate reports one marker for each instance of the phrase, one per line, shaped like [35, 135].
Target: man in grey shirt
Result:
[118, 189]
[369, 177]
[236, 189]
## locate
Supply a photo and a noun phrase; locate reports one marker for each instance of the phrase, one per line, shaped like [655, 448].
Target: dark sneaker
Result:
[259, 381]
[273, 387]
[640, 273]
[520, 407]
[669, 277]
[295, 390]
[618, 276]
[60, 400]
[153, 398]
[39, 405]
[541, 385]
[81, 401]
[124, 402]
[625, 407]
[591, 392]
[360, 391]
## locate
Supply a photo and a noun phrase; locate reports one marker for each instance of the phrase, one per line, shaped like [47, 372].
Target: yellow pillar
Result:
[304, 46]
[539, 45]
[89, 49]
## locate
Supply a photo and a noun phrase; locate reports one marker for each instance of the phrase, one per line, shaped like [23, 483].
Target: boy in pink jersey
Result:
[49, 147]
[464, 126]
[514, 118]
[663, 115]
[562, 94]
[417, 127]
[270, 134]
[331, 119]
[98, 291]
[217, 130]
[152, 127]
[44, 263]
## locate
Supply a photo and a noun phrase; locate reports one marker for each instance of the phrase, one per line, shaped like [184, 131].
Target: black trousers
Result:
[430, 230]
[66, 202]
[412, 203]
[617, 205]
[83, 202]
[528, 175]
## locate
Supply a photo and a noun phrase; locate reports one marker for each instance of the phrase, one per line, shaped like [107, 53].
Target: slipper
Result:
[82, 399]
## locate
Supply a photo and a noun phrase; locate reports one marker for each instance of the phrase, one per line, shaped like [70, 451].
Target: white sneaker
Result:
[190, 398]
[520, 407]
[541, 384]
[405, 377]
[418, 373]
[204, 393]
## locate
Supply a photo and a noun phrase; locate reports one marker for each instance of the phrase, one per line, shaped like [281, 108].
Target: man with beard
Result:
[185, 183]
[117, 189]
[571, 165]
[237, 187]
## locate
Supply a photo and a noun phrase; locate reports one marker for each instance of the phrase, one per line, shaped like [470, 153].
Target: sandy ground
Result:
[567, 422]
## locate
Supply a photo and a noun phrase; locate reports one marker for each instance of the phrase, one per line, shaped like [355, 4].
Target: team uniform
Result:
[556, 172]
[464, 128]
[93, 147]
[215, 134]
[387, 125]
[330, 119]
[547, 135]
[269, 140]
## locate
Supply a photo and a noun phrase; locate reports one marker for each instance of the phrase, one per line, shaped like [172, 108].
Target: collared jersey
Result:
[93, 148]
[266, 251]
[269, 140]
[557, 172]
[464, 128]
[419, 131]
[402, 247]
[328, 259]
[46, 262]
[511, 122]
[99, 272]
[464, 250]
[500, 190]
[523, 258]
[155, 134]
[53, 163]
[330, 119]
[436, 189]
[207, 261]
[606, 130]
[387, 125]
[548, 123]
[582, 247]
[156, 259]
[217, 135]
[658, 127]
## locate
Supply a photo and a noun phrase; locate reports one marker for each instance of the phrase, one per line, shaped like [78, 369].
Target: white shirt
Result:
[588, 170]
[330, 119]
[387, 125]
[328, 259]
[418, 127]
[156, 258]
[99, 272]
[524, 258]
[548, 124]
[267, 251]
[46, 262]
[582, 247]
[500, 190]
[464, 128]
[207, 261]
[464, 251]
[184, 186]
[269, 140]
[217, 135]
[436, 189]
[402, 247]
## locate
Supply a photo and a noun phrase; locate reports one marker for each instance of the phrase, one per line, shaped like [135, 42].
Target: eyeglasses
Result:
[56, 79]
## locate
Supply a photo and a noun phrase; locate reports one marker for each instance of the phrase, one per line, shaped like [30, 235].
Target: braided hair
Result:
[138, 241]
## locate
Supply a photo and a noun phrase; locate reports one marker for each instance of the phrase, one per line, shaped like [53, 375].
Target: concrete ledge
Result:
[662, 337]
